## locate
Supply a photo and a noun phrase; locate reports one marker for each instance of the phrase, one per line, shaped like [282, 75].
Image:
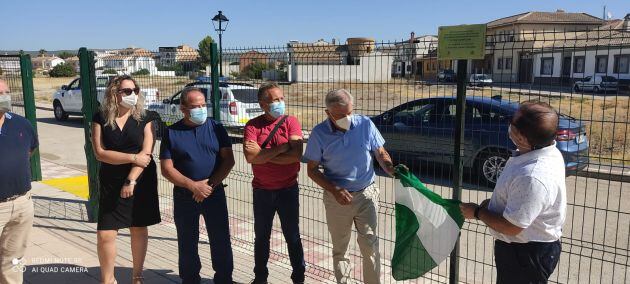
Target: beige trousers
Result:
[362, 212]
[16, 221]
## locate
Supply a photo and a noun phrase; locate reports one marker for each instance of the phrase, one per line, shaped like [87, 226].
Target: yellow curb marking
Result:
[76, 185]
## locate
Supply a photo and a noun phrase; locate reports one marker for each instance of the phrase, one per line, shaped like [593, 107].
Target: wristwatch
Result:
[130, 182]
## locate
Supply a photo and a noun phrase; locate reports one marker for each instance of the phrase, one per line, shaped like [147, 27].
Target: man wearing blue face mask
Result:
[273, 145]
[343, 145]
[196, 156]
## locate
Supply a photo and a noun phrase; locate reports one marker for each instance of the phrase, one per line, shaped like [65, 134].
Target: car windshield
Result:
[248, 96]
[481, 77]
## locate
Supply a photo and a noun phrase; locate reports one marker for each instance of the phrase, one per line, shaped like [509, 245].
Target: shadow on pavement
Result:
[76, 122]
[60, 208]
[69, 270]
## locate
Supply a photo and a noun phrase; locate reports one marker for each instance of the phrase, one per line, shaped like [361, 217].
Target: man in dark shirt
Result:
[196, 155]
[17, 141]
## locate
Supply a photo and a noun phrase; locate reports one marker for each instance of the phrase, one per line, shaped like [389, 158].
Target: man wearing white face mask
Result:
[17, 141]
[273, 145]
[528, 206]
[343, 144]
[196, 155]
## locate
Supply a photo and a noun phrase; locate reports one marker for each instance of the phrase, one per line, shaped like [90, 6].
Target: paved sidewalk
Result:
[63, 248]
[52, 170]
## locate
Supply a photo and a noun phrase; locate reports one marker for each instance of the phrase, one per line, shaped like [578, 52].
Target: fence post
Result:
[214, 75]
[88, 96]
[462, 65]
[28, 92]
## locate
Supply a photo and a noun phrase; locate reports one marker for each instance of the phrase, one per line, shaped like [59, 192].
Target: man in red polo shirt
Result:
[273, 145]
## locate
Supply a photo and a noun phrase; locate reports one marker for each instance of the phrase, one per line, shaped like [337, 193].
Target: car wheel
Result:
[60, 114]
[490, 165]
[576, 88]
[596, 90]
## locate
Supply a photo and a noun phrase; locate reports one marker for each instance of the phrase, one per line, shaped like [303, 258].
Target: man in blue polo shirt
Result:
[196, 155]
[17, 141]
[343, 144]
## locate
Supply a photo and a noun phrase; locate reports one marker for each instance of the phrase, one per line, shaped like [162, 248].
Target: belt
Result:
[14, 197]
[360, 190]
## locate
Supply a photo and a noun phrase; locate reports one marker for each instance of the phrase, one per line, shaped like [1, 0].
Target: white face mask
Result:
[130, 101]
[344, 123]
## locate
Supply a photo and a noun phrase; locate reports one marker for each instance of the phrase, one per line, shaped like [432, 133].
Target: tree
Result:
[42, 52]
[63, 70]
[254, 70]
[65, 54]
[110, 71]
[204, 51]
[141, 72]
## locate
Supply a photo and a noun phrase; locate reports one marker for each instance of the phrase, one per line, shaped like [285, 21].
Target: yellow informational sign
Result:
[462, 42]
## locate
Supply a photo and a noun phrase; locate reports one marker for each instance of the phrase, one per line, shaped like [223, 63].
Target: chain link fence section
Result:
[10, 72]
[410, 95]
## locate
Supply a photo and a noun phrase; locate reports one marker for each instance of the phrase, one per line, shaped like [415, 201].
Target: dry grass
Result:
[606, 116]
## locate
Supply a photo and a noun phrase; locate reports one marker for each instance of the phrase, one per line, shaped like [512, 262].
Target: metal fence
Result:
[410, 95]
[16, 71]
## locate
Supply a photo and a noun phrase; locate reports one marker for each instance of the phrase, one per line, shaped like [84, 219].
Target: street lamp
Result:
[220, 19]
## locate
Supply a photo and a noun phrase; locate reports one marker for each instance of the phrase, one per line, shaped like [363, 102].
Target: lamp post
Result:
[220, 19]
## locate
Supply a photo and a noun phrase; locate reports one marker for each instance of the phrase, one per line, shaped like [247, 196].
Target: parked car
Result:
[597, 84]
[447, 75]
[238, 103]
[68, 100]
[480, 80]
[423, 130]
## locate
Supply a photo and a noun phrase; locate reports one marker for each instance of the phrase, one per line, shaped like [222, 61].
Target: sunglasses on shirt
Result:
[128, 91]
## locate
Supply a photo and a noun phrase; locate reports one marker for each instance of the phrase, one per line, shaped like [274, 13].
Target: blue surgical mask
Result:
[199, 115]
[276, 109]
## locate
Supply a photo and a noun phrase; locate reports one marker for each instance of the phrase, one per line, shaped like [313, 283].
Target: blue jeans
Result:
[215, 214]
[286, 202]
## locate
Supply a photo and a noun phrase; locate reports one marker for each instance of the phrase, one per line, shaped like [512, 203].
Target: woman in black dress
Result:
[123, 140]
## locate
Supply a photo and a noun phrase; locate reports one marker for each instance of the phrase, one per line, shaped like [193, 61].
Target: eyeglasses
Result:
[128, 91]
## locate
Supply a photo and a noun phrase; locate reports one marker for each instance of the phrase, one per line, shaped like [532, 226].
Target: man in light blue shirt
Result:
[343, 145]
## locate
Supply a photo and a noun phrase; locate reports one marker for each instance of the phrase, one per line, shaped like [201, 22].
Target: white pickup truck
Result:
[68, 100]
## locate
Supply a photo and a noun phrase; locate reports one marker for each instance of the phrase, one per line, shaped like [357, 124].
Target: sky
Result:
[71, 24]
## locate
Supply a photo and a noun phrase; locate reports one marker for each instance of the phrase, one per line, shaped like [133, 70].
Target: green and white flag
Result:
[427, 227]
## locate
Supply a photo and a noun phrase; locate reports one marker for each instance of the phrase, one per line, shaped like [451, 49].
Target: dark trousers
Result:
[531, 262]
[286, 202]
[215, 214]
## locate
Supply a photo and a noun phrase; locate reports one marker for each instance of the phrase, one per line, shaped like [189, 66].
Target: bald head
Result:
[537, 122]
[4, 87]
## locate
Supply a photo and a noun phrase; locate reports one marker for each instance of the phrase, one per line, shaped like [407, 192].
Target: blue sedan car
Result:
[423, 131]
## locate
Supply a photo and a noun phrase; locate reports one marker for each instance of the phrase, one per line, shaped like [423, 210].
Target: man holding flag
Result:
[343, 144]
[528, 206]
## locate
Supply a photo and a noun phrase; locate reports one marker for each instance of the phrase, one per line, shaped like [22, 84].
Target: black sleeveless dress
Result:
[142, 209]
